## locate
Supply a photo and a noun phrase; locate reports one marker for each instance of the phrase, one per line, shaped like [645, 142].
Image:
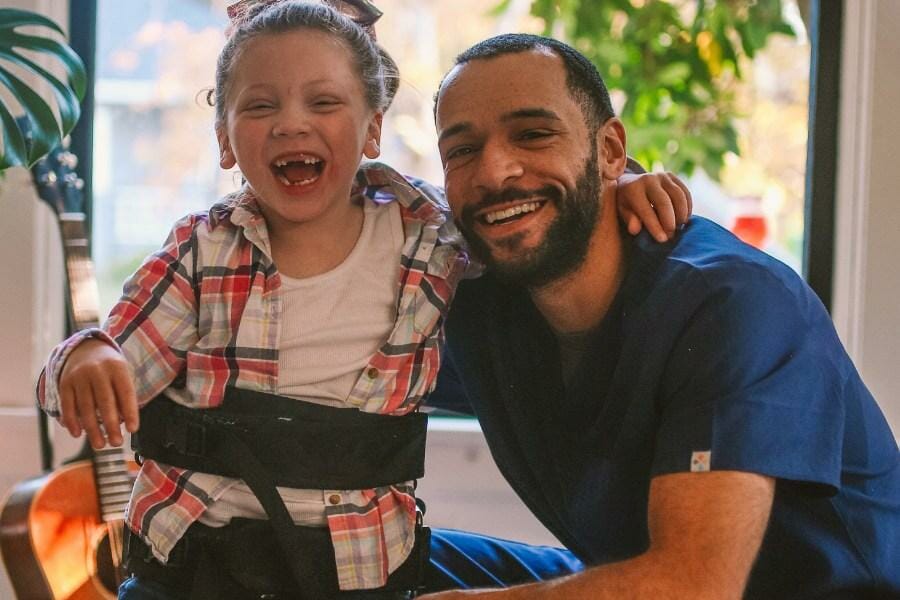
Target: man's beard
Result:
[566, 242]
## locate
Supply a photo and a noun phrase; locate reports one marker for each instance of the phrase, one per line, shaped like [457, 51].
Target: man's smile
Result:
[499, 216]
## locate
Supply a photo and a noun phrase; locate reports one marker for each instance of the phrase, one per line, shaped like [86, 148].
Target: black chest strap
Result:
[302, 445]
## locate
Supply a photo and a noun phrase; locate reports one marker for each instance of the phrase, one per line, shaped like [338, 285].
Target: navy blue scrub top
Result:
[713, 356]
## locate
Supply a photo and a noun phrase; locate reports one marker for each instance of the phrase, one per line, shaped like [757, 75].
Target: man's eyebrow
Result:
[522, 113]
[454, 130]
[531, 113]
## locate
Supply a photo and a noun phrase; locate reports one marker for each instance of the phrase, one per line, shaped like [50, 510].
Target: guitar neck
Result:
[59, 186]
[83, 294]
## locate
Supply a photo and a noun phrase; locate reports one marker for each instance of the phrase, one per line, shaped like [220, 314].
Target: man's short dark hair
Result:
[584, 81]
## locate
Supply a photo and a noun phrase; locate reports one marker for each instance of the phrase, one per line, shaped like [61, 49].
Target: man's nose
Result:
[291, 120]
[497, 165]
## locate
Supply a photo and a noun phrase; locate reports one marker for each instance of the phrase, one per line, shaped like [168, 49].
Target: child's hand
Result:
[95, 388]
[658, 201]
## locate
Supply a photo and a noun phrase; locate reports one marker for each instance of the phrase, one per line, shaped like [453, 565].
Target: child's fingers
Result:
[679, 197]
[687, 194]
[646, 214]
[124, 388]
[87, 413]
[68, 415]
[631, 220]
[662, 204]
[107, 409]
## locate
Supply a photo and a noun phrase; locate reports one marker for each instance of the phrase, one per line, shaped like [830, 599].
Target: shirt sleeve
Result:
[153, 323]
[754, 383]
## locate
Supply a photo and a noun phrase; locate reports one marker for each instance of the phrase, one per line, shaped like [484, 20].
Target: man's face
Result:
[520, 165]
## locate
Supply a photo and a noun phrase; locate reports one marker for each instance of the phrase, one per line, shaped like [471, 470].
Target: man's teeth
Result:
[499, 215]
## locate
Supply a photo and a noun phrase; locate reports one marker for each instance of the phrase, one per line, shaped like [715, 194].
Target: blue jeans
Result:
[135, 588]
[459, 560]
[462, 560]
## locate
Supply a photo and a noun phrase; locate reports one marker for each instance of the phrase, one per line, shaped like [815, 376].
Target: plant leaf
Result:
[45, 133]
[24, 144]
[15, 148]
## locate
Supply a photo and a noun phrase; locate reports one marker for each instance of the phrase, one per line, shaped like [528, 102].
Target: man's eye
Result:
[535, 134]
[459, 152]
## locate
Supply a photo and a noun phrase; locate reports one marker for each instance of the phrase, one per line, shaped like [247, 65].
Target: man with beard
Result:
[681, 416]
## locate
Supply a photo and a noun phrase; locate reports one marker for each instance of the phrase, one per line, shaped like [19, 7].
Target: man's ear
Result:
[372, 149]
[611, 149]
[226, 155]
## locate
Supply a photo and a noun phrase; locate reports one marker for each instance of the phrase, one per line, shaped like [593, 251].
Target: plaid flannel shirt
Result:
[204, 312]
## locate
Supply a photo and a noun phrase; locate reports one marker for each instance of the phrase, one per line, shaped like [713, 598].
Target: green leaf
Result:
[15, 150]
[676, 76]
[43, 130]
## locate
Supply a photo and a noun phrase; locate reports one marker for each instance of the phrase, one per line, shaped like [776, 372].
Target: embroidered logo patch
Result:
[700, 461]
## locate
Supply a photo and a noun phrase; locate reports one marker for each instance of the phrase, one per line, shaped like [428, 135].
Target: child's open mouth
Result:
[298, 170]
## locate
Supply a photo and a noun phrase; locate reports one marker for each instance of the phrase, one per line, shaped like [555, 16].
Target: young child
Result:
[320, 285]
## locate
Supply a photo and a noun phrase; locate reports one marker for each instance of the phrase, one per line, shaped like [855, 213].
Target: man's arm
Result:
[705, 532]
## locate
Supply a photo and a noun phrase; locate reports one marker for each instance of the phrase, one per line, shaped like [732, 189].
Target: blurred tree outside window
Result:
[714, 90]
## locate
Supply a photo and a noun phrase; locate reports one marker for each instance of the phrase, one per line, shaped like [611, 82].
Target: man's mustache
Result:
[512, 194]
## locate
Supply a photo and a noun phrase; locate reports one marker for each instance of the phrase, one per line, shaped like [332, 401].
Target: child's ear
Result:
[226, 156]
[611, 148]
[372, 149]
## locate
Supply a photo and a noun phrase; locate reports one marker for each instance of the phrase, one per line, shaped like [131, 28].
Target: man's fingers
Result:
[128, 407]
[87, 413]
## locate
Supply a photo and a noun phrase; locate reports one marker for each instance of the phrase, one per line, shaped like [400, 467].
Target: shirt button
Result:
[334, 499]
[371, 372]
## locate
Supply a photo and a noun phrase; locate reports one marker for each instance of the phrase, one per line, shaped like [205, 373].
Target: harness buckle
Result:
[186, 436]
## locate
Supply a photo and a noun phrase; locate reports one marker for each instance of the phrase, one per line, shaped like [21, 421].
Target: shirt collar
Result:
[376, 181]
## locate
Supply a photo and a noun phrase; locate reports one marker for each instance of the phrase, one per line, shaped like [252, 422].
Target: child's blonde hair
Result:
[378, 73]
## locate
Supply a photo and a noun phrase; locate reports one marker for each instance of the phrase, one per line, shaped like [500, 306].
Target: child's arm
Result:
[658, 201]
[108, 373]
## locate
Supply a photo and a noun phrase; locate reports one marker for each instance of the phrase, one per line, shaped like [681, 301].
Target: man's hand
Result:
[658, 201]
[705, 532]
[96, 393]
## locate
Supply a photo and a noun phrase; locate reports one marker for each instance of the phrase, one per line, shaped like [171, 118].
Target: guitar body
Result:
[55, 546]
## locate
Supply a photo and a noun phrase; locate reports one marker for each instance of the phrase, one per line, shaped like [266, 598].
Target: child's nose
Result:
[291, 121]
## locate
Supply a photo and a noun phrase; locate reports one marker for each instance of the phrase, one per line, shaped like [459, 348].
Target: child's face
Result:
[297, 126]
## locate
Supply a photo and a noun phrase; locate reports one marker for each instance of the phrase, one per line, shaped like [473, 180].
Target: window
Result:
[155, 156]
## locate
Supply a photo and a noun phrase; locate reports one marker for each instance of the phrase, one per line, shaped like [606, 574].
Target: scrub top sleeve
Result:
[449, 393]
[753, 383]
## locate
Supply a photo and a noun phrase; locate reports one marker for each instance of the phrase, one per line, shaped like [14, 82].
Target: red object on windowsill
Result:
[751, 229]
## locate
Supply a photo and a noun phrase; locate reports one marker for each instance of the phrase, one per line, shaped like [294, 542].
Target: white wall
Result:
[867, 249]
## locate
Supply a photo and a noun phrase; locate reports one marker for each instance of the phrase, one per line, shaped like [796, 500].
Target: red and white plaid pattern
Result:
[204, 312]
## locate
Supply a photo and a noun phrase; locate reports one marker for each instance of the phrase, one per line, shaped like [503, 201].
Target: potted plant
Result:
[25, 140]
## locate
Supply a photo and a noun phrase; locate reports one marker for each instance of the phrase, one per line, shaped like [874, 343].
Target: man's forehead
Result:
[538, 62]
[508, 79]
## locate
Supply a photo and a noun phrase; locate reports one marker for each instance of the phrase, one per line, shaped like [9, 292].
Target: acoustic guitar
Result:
[61, 533]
